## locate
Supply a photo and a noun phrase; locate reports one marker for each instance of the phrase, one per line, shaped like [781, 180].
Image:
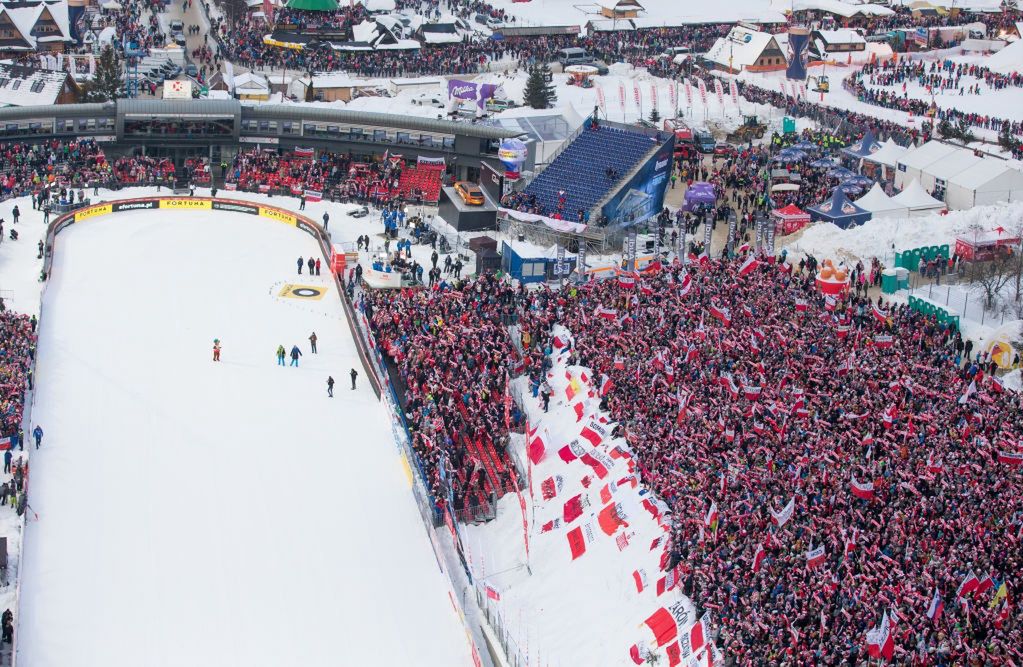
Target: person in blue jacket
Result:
[37, 433]
[295, 354]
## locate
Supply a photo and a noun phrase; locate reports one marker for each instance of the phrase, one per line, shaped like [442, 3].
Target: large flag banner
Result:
[653, 95]
[733, 88]
[815, 557]
[601, 102]
[862, 490]
[880, 642]
[621, 94]
[689, 93]
[719, 91]
[703, 91]
[781, 518]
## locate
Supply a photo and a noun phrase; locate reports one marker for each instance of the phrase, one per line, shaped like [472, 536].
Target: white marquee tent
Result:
[916, 199]
[881, 205]
[989, 182]
[915, 160]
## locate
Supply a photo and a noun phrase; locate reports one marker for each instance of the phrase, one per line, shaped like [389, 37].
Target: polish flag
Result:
[594, 432]
[801, 305]
[970, 584]
[996, 385]
[619, 363]
[748, 266]
[880, 641]
[606, 313]
[830, 302]
[685, 285]
[722, 314]
[850, 542]
[743, 248]
[985, 585]
[936, 607]
[883, 341]
[933, 466]
[758, 557]
[1013, 459]
[683, 405]
[751, 392]
[815, 557]
[710, 520]
[493, 593]
[605, 385]
[843, 331]
[626, 280]
[879, 314]
[862, 490]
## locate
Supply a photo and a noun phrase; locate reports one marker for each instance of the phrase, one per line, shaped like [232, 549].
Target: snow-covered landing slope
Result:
[229, 514]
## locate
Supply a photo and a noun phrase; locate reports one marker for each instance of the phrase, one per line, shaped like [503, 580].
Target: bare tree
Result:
[992, 276]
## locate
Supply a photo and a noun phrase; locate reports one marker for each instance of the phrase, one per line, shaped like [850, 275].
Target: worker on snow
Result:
[300, 263]
[281, 352]
[295, 354]
[330, 386]
[354, 375]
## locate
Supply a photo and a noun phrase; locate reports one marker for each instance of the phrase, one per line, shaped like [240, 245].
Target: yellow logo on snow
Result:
[313, 292]
[186, 203]
[92, 211]
[279, 216]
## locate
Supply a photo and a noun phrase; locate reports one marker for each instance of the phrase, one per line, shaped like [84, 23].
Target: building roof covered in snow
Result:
[28, 24]
[985, 172]
[952, 164]
[741, 48]
[24, 86]
[836, 7]
[1008, 60]
[881, 205]
[843, 36]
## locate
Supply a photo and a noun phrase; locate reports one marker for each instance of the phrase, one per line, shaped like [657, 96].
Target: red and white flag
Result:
[685, 285]
[936, 606]
[781, 518]
[758, 557]
[1011, 458]
[934, 466]
[606, 313]
[970, 584]
[815, 557]
[626, 280]
[879, 315]
[883, 341]
[863, 490]
[880, 640]
[493, 593]
[748, 266]
[801, 305]
[721, 313]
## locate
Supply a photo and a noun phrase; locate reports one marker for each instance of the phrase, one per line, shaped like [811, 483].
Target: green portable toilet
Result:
[889, 281]
[944, 252]
[788, 125]
[903, 277]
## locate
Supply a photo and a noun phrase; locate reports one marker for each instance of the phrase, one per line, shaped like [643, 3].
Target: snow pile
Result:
[882, 237]
[591, 587]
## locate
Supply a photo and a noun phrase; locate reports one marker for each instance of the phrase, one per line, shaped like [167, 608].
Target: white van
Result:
[574, 56]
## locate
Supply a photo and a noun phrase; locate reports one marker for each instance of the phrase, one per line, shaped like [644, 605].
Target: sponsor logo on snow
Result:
[274, 214]
[184, 203]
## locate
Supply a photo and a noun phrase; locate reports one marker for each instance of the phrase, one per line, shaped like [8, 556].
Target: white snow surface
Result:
[563, 611]
[659, 12]
[214, 514]
[883, 237]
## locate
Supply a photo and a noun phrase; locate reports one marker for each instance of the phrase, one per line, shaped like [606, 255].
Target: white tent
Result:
[917, 159]
[989, 182]
[935, 176]
[887, 156]
[881, 205]
[916, 199]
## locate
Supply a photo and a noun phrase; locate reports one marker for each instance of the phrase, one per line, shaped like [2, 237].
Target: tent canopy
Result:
[862, 148]
[915, 198]
[881, 205]
[313, 5]
[791, 212]
[839, 210]
[888, 155]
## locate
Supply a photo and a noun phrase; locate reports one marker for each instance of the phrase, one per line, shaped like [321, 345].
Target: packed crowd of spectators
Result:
[17, 349]
[29, 167]
[779, 398]
[139, 169]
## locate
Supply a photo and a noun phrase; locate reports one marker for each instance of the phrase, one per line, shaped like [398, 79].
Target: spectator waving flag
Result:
[879, 315]
[724, 315]
[1013, 459]
[815, 556]
[758, 557]
[936, 606]
[970, 584]
[880, 640]
[862, 490]
[781, 518]
[748, 266]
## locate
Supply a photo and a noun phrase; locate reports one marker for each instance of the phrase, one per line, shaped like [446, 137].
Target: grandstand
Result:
[424, 179]
[590, 168]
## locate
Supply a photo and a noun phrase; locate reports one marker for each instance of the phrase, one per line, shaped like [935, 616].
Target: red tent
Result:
[789, 220]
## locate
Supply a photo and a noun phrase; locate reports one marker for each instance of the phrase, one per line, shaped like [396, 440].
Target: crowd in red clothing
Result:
[17, 350]
[860, 458]
[29, 167]
[138, 169]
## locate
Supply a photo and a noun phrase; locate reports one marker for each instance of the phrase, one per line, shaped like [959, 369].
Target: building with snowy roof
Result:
[620, 9]
[23, 86]
[746, 49]
[989, 182]
[34, 25]
[839, 41]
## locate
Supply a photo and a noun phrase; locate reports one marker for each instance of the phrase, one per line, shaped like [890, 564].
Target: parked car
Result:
[177, 26]
[470, 193]
[724, 149]
[429, 100]
[179, 38]
[191, 70]
[497, 105]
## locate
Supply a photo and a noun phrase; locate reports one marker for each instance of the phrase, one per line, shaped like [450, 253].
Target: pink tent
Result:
[789, 220]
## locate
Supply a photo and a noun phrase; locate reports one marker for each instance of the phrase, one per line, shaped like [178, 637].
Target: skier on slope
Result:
[216, 349]
[281, 352]
[295, 354]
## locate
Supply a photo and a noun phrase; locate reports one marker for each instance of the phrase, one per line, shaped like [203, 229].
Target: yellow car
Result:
[469, 192]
